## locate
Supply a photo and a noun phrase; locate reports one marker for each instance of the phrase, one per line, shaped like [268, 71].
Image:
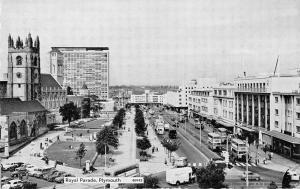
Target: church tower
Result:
[24, 69]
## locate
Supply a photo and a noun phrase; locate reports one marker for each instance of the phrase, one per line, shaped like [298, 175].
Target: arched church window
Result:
[13, 131]
[35, 61]
[19, 60]
[23, 128]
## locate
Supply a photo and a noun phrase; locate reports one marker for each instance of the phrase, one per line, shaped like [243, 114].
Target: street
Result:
[190, 148]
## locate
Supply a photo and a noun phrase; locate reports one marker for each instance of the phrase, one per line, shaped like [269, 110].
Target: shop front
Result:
[285, 145]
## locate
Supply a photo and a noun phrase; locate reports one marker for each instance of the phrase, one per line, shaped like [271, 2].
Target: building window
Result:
[231, 115]
[276, 99]
[298, 101]
[298, 129]
[230, 104]
[276, 124]
[19, 85]
[298, 115]
[276, 112]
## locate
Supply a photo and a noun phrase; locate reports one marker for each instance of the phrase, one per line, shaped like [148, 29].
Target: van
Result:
[181, 162]
[167, 127]
[180, 175]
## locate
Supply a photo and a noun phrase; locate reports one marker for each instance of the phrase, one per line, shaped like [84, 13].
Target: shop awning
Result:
[283, 137]
[245, 128]
[224, 123]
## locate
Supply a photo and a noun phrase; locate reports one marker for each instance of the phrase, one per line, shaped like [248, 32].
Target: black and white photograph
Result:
[99, 94]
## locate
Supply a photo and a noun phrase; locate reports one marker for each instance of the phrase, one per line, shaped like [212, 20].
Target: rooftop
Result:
[10, 105]
[80, 48]
[48, 81]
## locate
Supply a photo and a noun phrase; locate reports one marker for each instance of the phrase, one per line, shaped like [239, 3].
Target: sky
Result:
[159, 42]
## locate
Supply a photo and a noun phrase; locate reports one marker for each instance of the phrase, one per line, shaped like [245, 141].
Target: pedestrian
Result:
[152, 150]
[271, 155]
[27, 176]
[54, 187]
[58, 137]
[41, 146]
[157, 149]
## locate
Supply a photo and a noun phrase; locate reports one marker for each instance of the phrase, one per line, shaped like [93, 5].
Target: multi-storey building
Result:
[178, 100]
[201, 99]
[82, 65]
[223, 107]
[267, 106]
[147, 98]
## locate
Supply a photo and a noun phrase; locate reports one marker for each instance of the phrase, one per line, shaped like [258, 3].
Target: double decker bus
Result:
[214, 141]
[238, 148]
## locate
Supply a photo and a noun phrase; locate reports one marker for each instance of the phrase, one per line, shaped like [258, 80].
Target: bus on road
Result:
[214, 141]
[238, 148]
[123, 171]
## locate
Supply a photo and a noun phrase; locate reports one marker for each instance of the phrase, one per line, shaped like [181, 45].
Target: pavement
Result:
[156, 163]
[277, 163]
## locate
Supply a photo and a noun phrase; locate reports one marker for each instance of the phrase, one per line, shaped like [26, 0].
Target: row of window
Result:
[288, 100]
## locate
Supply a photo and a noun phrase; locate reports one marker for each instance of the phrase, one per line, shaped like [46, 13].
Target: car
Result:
[48, 174]
[8, 166]
[23, 166]
[38, 173]
[30, 168]
[5, 179]
[34, 173]
[251, 176]
[60, 179]
[294, 175]
[12, 183]
[55, 175]
[18, 173]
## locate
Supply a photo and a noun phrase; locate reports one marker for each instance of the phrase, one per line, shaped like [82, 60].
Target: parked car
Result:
[18, 173]
[41, 171]
[60, 179]
[23, 166]
[251, 176]
[294, 175]
[5, 179]
[48, 174]
[8, 166]
[55, 175]
[12, 183]
[30, 168]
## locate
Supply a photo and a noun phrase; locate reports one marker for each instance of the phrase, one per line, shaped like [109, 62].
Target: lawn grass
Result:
[96, 124]
[60, 151]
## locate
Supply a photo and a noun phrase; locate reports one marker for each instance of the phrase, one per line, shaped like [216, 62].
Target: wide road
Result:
[192, 134]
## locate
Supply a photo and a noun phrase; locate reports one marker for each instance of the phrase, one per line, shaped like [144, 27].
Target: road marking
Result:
[253, 164]
[243, 164]
[237, 164]
[249, 164]
[189, 164]
[200, 164]
[194, 164]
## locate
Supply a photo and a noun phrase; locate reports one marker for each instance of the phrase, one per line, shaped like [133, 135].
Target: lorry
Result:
[167, 127]
[160, 129]
[180, 175]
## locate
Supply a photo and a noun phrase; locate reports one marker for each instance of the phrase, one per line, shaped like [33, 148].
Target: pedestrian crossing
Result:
[239, 164]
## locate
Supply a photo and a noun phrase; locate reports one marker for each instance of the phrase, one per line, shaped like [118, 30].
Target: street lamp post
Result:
[247, 179]
[200, 134]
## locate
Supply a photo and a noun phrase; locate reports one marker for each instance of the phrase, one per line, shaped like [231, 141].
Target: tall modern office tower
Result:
[75, 66]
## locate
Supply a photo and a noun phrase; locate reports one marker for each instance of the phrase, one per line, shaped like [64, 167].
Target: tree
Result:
[211, 176]
[104, 139]
[143, 144]
[69, 91]
[86, 107]
[286, 180]
[171, 145]
[80, 153]
[69, 112]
